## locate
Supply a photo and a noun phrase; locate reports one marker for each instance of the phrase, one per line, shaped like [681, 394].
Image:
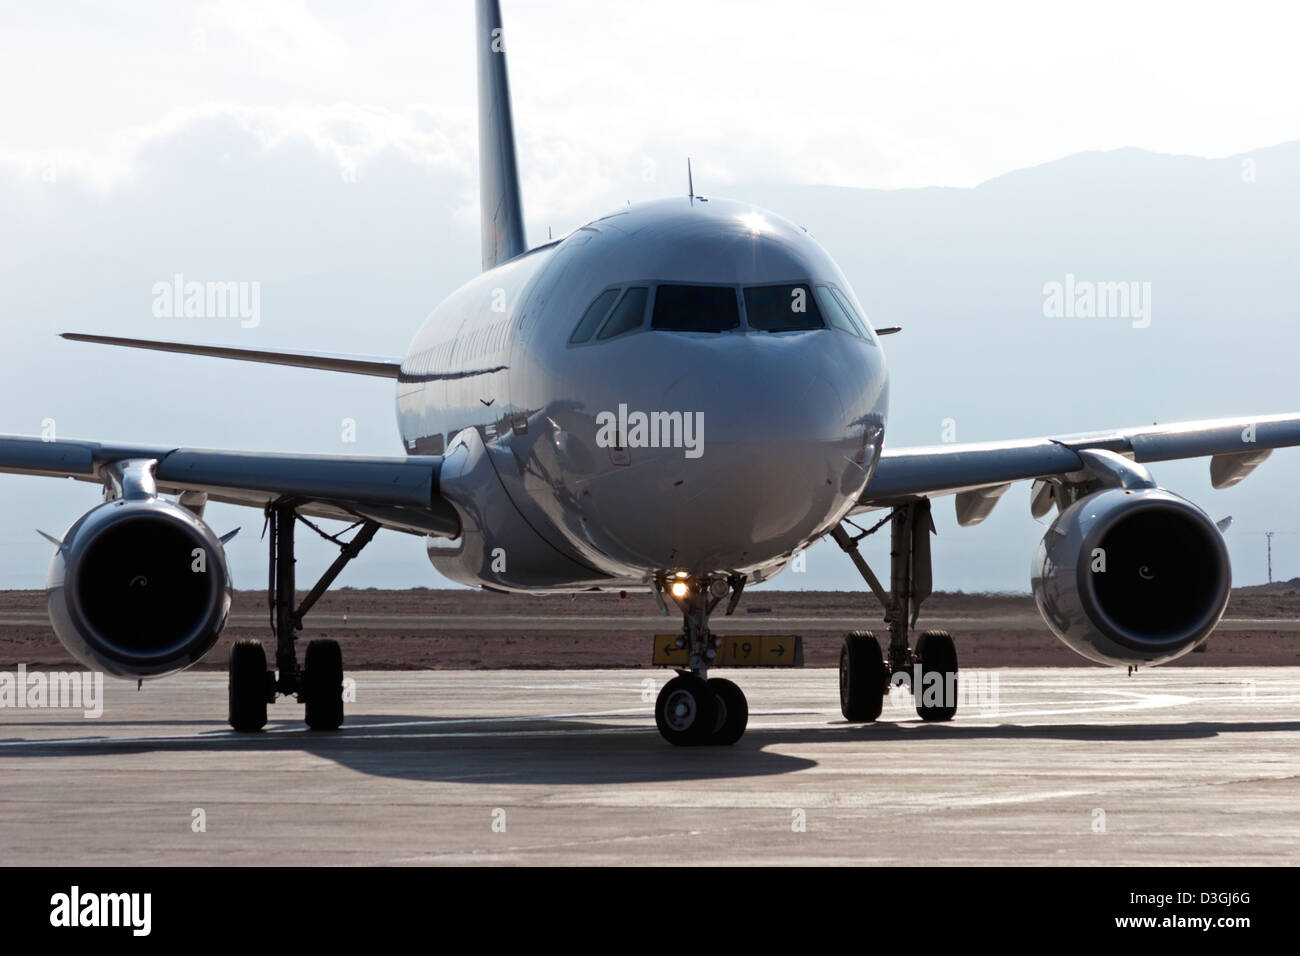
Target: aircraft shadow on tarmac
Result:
[592, 751]
[541, 751]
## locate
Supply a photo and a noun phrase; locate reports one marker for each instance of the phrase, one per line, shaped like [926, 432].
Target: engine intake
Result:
[139, 588]
[1132, 576]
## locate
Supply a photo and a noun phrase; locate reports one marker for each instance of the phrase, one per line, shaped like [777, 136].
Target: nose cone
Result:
[778, 436]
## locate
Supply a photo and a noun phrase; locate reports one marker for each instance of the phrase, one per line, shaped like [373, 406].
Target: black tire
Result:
[686, 711]
[863, 677]
[732, 712]
[936, 653]
[247, 710]
[322, 685]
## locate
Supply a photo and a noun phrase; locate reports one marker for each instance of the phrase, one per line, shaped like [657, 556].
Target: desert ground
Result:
[462, 629]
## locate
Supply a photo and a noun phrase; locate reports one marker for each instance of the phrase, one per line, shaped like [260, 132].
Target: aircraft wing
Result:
[355, 364]
[398, 493]
[978, 473]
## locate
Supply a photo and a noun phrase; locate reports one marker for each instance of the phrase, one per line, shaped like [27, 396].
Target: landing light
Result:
[680, 589]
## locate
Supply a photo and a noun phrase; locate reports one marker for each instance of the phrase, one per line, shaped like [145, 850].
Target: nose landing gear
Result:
[693, 709]
[685, 711]
[732, 712]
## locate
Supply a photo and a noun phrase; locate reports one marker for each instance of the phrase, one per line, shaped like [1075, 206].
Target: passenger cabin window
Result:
[782, 308]
[627, 315]
[591, 318]
[695, 308]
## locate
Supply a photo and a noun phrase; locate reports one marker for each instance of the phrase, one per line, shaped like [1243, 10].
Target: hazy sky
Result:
[854, 94]
[330, 149]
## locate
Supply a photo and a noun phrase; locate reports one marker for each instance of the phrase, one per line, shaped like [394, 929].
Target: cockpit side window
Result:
[591, 318]
[695, 308]
[846, 303]
[782, 308]
[835, 313]
[627, 315]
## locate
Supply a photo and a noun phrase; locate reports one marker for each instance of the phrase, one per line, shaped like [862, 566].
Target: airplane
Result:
[674, 399]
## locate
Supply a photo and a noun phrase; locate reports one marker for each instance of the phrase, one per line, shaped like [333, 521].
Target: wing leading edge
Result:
[1234, 445]
[325, 361]
[354, 364]
[398, 493]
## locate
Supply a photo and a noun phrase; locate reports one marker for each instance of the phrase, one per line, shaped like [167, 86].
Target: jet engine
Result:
[139, 587]
[1132, 576]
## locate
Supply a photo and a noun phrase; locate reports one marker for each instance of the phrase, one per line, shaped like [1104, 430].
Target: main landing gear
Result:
[318, 683]
[694, 709]
[930, 670]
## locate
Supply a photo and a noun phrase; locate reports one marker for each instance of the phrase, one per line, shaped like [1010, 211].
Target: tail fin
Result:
[501, 211]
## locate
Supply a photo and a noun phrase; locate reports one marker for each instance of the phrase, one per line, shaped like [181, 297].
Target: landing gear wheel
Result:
[686, 711]
[937, 653]
[732, 712]
[248, 686]
[322, 685]
[863, 678]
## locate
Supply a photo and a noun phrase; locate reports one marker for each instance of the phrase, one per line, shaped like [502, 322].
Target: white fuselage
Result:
[652, 450]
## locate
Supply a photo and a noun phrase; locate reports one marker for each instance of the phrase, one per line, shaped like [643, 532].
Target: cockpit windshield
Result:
[695, 308]
[782, 308]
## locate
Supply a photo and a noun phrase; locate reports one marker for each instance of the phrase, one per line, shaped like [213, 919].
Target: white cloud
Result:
[870, 94]
[283, 34]
[351, 135]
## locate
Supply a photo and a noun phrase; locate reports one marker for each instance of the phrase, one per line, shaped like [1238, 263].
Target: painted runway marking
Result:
[1132, 701]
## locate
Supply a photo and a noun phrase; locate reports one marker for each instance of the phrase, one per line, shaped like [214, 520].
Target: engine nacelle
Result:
[1132, 576]
[139, 588]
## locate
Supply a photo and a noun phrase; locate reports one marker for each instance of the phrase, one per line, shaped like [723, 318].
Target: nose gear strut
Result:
[691, 708]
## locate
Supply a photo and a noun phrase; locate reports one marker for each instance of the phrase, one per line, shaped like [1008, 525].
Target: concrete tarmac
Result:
[1041, 766]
